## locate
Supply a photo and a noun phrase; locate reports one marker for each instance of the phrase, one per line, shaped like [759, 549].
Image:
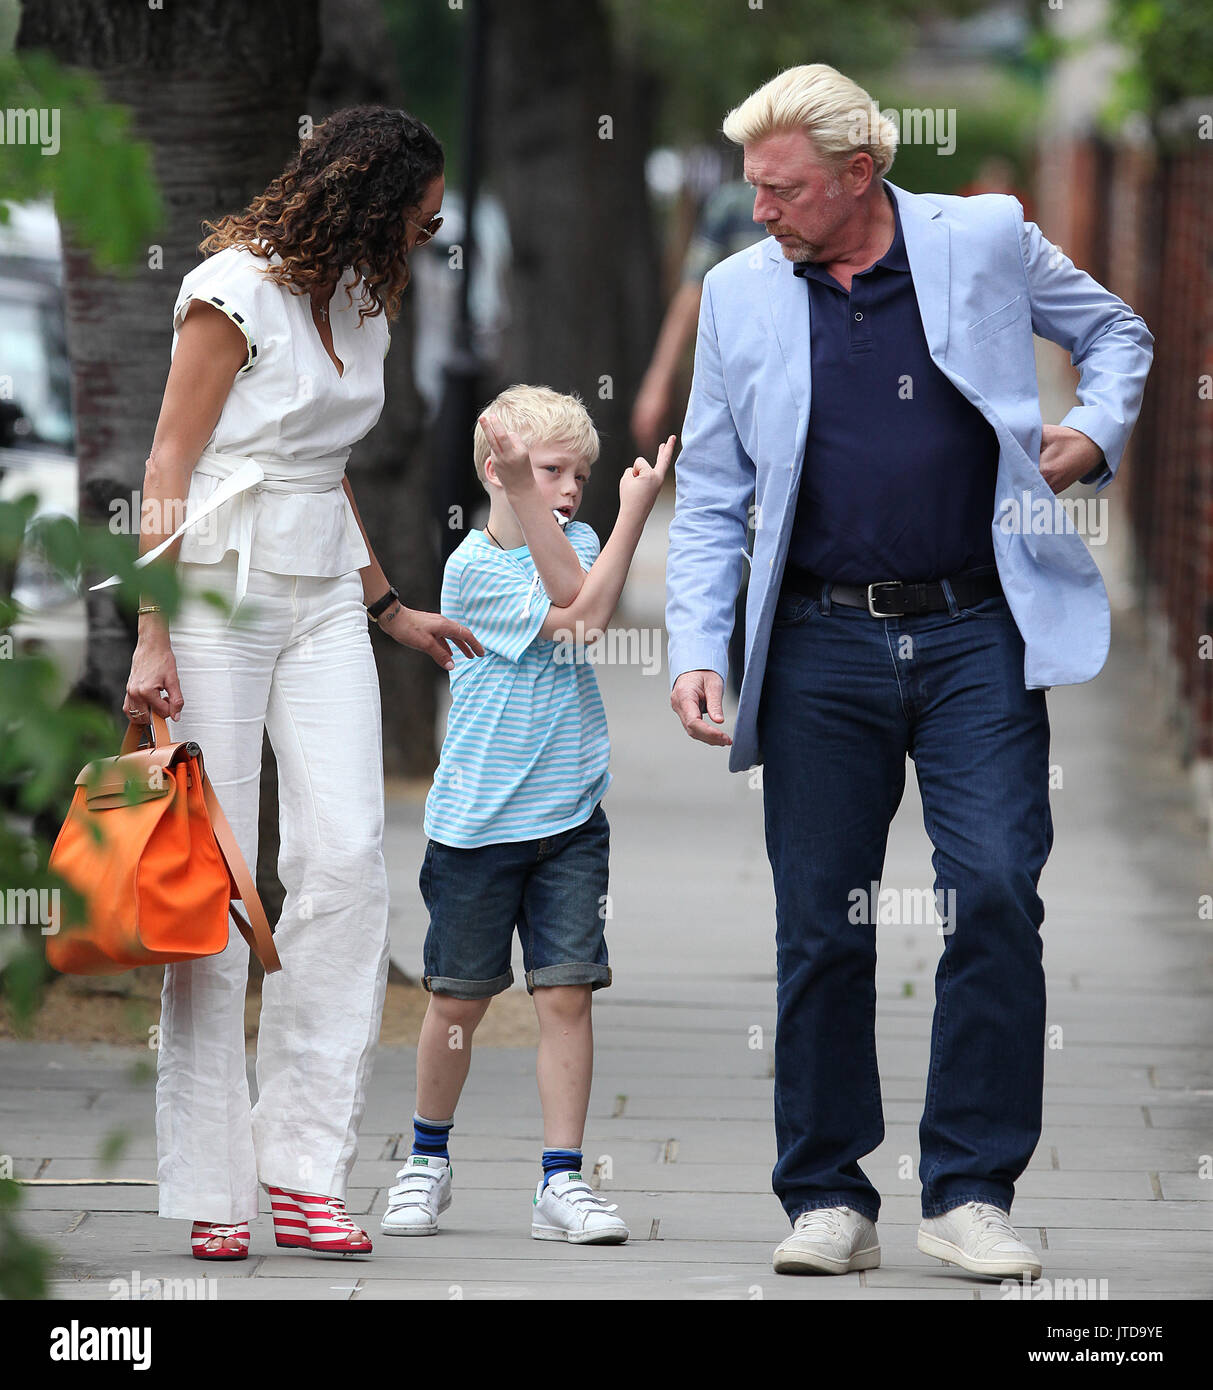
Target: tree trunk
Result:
[217, 91]
[389, 468]
[568, 130]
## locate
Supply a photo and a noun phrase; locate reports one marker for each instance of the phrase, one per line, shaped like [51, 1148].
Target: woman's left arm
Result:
[426, 632]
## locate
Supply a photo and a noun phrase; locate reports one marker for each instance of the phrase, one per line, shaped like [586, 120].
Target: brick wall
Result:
[1165, 206]
[1140, 220]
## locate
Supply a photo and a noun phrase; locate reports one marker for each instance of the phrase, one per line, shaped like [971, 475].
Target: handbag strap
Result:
[256, 928]
[157, 732]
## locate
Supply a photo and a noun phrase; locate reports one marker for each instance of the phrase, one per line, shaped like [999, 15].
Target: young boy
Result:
[517, 833]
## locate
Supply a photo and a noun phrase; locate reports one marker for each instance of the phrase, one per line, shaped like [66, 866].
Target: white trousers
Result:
[302, 668]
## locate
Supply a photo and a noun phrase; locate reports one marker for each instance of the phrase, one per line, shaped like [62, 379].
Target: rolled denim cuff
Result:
[468, 989]
[598, 976]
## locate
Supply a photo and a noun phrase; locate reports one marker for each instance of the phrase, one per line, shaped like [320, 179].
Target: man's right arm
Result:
[715, 481]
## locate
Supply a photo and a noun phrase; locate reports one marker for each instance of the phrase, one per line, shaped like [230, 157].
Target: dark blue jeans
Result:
[845, 698]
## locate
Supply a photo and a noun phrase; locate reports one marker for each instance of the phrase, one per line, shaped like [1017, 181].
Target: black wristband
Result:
[380, 606]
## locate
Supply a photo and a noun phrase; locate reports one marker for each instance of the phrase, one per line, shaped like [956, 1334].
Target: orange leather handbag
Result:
[147, 845]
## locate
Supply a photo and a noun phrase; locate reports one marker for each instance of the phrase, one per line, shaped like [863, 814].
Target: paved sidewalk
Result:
[680, 1127]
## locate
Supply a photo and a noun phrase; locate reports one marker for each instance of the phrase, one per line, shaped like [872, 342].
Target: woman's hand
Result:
[153, 669]
[429, 633]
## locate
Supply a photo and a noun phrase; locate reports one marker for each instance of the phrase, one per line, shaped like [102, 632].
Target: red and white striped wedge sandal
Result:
[212, 1240]
[320, 1224]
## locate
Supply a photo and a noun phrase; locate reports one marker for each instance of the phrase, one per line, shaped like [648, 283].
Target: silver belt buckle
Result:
[882, 584]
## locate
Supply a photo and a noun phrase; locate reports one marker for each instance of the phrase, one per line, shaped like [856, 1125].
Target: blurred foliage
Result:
[113, 1146]
[710, 54]
[1170, 45]
[43, 745]
[103, 186]
[1004, 125]
[100, 177]
[23, 1262]
[706, 54]
[1044, 48]
[428, 43]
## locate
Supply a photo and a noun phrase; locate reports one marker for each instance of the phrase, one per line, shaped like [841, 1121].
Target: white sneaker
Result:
[978, 1237]
[569, 1209]
[422, 1192]
[828, 1240]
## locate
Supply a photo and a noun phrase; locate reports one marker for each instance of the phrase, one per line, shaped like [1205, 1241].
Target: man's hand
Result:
[510, 457]
[697, 692]
[1067, 455]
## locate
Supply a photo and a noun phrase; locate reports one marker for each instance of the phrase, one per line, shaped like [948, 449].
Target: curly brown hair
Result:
[341, 201]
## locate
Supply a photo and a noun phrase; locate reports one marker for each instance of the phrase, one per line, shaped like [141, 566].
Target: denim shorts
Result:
[553, 890]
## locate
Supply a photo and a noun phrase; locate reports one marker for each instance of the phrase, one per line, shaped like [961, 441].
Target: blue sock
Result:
[430, 1136]
[560, 1161]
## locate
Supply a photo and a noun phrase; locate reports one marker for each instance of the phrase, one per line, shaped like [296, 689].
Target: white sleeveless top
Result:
[288, 423]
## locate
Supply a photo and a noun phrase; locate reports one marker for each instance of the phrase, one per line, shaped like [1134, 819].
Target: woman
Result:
[277, 369]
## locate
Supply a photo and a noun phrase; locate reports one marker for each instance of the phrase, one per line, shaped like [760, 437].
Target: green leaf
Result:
[99, 175]
[113, 1146]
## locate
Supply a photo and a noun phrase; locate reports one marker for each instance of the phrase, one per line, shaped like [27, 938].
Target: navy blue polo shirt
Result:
[899, 468]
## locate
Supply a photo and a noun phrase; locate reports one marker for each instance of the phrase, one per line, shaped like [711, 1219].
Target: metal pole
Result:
[463, 372]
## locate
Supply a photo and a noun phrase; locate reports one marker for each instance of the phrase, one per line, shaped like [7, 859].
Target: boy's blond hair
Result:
[539, 415]
[837, 115]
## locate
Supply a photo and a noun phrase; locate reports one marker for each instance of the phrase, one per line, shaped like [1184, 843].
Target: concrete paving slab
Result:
[683, 1096]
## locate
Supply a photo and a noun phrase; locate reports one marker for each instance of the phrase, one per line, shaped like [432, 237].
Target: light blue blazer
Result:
[986, 280]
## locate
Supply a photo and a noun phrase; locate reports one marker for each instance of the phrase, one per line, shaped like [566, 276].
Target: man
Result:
[868, 373]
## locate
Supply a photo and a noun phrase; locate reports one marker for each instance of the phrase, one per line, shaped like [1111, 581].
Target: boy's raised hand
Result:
[509, 455]
[640, 484]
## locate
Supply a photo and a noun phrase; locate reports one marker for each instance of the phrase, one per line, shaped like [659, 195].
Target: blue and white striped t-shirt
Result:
[526, 747]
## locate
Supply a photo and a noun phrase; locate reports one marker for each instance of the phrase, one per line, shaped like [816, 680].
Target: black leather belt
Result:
[891, 598]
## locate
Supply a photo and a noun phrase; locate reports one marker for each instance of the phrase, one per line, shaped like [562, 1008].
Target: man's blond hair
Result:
[539, 415]
[835, 113]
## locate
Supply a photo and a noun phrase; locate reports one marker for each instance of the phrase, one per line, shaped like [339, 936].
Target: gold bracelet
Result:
[149, 608]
